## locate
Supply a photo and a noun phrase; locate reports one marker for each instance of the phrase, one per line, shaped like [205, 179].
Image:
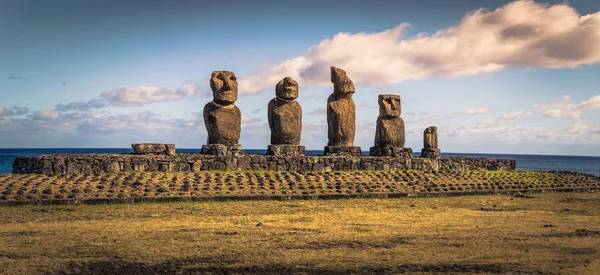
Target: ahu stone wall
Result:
[107, 163]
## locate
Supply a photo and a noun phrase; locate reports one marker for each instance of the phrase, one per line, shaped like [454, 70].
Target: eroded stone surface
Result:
[286, 150]
[341, 111]
[430, 138]
[222, 149]
[395, 152]
[431, 153]
[107, 163]
[153, 148]
[430, 143]
[389, 131]
[285, 114]
[221, 117]
[342, 151]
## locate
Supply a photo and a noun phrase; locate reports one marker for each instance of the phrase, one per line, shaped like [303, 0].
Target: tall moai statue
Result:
[430, 143]
[341, 116]
[221, 117]
[285, 120]
[389, 133]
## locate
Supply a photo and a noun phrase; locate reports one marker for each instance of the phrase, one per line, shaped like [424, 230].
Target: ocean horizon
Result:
[525, 162]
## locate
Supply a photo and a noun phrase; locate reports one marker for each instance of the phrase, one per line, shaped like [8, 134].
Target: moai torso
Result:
[341, 111]
[430, 139]
[390, 132]
[221, 117]
[223, 123]
[390, 126]
[285, 114]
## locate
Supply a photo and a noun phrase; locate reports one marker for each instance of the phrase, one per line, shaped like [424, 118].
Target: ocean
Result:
[583, 164]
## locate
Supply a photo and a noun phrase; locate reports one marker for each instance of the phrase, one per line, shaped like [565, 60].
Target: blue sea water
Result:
[590, 165]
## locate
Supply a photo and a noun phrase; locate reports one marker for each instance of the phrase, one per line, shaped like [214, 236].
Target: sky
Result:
[515, 77]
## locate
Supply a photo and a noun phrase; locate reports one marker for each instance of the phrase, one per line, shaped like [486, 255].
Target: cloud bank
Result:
[138, 96]
[564, 107]
[519, 34]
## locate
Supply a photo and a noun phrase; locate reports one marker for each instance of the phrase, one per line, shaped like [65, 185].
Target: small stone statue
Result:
[221, 117]
[430, 143]
[389, 134]
[285, 120]
[341, 116]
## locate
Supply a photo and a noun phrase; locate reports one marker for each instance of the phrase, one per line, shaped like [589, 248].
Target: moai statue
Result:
[341, 116]
[221, 117]
[430, 143]
[285, 120]
[389, 134]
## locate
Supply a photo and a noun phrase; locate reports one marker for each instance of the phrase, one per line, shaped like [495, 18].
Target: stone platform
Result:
[342, 151]
[286, 150]
[102, 163]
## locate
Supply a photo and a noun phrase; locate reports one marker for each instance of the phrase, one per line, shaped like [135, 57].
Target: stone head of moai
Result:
[389, 105]
[287, 89]
[430, 138]
[224, 87]
[341, 83]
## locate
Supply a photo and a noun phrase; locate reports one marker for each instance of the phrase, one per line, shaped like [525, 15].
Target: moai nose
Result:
[226, 85]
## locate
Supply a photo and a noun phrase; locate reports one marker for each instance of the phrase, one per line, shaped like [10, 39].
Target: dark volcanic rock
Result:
[282, 150]
[222, 149]
[341, 111]
[103, 163]
[154, 148]
[342, 151]
[395, 152]
[221, 117]
[285, 114]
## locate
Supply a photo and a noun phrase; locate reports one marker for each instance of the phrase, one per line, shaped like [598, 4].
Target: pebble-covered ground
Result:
[21, 189]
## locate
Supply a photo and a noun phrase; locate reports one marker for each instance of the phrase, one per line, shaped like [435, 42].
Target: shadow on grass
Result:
[182, 267]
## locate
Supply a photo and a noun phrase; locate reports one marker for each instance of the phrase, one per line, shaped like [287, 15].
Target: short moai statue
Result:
[221, 117]
[389, 132]
[285, 120]
[341, 116]
[430, 143]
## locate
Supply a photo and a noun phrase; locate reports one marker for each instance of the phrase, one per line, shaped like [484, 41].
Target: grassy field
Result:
[115, 187]
[531, 233]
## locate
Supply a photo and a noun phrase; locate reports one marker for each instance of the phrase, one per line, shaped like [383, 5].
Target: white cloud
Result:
[584, 127]
[476, 111]
[81, 106]
[137, 96]
[563, 107]
[468, 111]
[19, 111]
[5, 112]
[507, 118]
[519, 34]
[44, 115]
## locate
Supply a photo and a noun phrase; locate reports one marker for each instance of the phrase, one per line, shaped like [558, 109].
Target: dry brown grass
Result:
[215, 184]
[545, 233]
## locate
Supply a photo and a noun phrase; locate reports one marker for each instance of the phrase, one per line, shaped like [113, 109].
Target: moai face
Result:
[224, 86]
[389, 105]
[287, 89]
[341, 82]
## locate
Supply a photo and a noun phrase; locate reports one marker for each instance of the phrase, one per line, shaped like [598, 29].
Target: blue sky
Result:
[494, 76]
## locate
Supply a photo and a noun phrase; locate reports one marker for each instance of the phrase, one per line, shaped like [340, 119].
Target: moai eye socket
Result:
[220, 77]
[233, 78]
